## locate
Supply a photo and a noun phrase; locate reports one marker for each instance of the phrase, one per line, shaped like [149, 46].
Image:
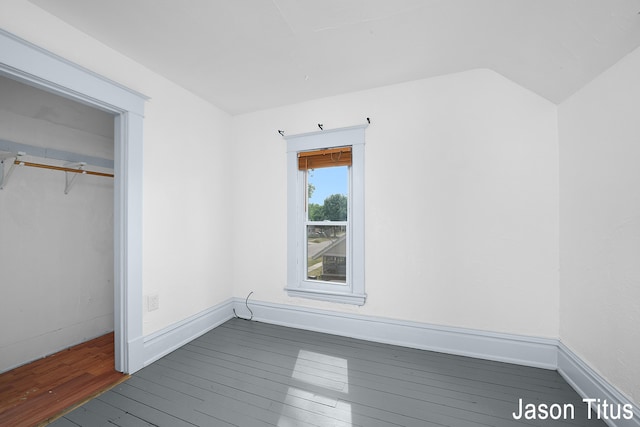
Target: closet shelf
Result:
[71, 170]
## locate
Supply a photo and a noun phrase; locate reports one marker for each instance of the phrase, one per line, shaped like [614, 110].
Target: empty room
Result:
[336, 213]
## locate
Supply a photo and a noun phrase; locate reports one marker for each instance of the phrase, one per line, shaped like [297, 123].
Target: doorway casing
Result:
[30, 64]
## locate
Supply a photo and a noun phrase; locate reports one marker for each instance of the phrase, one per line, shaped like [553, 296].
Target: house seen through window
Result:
[327, 223]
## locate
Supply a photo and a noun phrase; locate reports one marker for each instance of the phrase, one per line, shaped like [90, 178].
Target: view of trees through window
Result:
[327, 213]
[328, 193]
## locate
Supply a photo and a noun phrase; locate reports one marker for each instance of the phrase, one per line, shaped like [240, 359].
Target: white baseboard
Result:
[522, 350]
[528, 351]
[589, 384]
[166, 340]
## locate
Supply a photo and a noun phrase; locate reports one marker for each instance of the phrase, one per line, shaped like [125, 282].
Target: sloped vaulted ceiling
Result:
[254, 54]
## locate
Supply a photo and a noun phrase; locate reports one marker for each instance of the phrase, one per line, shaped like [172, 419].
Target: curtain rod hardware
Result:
[368, 120]
[281, 132]
[320, 125]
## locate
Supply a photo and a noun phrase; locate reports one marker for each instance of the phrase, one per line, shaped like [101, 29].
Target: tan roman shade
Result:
[325, 158]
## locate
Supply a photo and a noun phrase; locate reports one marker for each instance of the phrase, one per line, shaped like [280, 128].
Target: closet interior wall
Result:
[56, 249]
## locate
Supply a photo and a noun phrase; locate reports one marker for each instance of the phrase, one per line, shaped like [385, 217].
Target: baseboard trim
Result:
[172, 337]
[589, 384]
[521, 350]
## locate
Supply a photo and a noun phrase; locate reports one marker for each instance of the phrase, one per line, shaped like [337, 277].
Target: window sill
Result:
[339, 297]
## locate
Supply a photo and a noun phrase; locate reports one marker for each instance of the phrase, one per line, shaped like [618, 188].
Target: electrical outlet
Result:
[153, 302]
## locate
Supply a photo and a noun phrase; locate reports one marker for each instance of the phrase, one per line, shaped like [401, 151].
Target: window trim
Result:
[297, 285]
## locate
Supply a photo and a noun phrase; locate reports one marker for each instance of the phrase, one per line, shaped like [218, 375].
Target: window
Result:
[325, 236]
[327, 222]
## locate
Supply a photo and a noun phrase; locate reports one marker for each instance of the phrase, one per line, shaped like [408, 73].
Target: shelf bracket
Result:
[4, 178]
[69, 180]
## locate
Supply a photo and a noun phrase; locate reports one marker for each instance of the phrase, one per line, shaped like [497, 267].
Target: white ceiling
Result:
[247, 55]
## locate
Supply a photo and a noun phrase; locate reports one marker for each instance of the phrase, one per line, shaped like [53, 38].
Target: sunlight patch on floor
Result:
[311, 368]
[308, 408]
[310, 405]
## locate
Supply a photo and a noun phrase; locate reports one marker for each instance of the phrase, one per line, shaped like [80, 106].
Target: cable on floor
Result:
[246, 303]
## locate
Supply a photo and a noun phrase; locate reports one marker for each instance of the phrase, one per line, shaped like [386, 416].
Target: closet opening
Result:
[27, 63]
[56, 223]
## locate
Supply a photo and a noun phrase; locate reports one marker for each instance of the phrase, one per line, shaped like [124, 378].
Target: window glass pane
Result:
[328, 191]
[327, 253]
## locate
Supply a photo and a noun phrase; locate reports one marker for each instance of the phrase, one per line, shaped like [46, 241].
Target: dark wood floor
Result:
[254, 374]
[33, 394]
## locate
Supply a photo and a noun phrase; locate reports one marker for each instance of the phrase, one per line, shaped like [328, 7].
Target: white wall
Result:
[186, 254]
[56, 250]
[461, 193]
[600, 224]
[462, 200]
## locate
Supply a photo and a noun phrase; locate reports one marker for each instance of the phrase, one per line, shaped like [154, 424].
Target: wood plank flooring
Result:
[255, 374]
[32, 394]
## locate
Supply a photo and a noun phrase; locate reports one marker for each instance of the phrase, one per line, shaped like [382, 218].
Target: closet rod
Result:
[61, 168]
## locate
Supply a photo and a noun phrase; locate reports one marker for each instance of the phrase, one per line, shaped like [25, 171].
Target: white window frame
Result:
[298, 285]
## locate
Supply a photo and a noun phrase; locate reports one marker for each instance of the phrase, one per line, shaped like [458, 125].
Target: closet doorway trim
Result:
[30, 64]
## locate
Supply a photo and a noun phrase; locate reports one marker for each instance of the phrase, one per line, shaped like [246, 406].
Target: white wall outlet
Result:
[153, 302]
